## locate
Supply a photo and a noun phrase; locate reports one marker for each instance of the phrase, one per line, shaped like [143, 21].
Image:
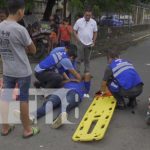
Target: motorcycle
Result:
[40, 36]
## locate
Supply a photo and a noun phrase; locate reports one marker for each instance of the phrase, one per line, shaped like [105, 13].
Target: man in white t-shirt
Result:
[85, 31]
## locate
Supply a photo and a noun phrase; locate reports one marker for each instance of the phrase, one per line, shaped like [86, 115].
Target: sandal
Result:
[9, 131]
[35, 131]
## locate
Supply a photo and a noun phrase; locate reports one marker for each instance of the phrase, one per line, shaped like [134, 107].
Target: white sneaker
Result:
[17, 115]
[60, 120]
[86, 96]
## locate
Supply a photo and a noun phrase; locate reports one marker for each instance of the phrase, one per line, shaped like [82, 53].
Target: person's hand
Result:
[66, 25]
[74, 80]
[93, 44]
[100, 93]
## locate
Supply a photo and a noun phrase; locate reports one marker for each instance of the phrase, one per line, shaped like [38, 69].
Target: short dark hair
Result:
[88, 9]
[72, 50]
[4, 11]
[66, 19]
[114, 53]
[14, 5]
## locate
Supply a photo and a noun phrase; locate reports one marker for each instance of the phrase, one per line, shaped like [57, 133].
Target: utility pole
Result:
[65, 7]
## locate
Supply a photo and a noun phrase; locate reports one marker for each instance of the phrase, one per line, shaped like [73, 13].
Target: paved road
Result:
[126, 131]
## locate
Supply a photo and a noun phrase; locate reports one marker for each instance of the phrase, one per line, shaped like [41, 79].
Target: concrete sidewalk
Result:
[121, 42]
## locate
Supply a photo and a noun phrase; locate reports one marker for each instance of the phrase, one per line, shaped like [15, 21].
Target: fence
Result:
[141, 14]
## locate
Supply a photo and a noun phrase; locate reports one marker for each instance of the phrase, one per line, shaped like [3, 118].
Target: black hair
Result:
[88, 9]
[14, 5]
[66, 19]
[4, 11]
[79, 15]
[114, 53]
[72, 50]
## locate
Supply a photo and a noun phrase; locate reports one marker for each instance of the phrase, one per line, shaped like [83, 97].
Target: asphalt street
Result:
[126, 131]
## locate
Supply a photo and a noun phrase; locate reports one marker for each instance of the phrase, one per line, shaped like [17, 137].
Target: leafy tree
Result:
[107, 6]
[2, 3]
[48, 10]
[29, 4]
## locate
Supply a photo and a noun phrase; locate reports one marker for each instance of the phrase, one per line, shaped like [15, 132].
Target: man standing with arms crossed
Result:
[85, 31]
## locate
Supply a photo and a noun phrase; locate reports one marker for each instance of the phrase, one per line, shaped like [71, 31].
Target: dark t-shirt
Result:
[108, 74]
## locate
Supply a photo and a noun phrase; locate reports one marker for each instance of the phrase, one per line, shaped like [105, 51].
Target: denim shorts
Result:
[9, 83]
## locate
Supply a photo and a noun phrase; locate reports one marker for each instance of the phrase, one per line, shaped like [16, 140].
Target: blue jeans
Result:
[9, 84]
[72, 98]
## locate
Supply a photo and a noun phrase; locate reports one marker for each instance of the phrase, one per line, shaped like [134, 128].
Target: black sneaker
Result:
[132, 103]
[121, 106]
[148, 118]
[37, 84]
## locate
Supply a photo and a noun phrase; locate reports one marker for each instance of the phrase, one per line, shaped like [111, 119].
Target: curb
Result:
[126, 43]
[140, 38]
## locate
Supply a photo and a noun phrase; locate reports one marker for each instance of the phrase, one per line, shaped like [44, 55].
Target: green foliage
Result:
[107, 6]
[2, 3]
[96, 10]
[145, 1]
[76, 4]
[29, 4]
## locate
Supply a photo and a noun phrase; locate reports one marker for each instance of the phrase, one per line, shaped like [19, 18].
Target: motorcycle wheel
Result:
[40, 50]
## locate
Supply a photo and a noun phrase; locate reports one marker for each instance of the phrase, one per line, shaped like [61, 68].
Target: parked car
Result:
[127, 19]
[112, 20]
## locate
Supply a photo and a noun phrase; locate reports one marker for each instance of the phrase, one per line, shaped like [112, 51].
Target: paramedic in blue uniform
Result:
[121, 79]
[51, 71]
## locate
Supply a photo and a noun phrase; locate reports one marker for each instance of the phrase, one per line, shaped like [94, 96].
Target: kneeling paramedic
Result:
[122, 80]
[51, 71]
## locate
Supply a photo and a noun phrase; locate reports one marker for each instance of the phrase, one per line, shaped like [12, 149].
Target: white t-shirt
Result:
[85, 30]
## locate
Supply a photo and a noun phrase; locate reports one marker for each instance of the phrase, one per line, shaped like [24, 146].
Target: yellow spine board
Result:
[96, 120]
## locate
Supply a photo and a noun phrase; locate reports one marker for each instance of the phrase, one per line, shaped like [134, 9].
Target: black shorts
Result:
[49, 79]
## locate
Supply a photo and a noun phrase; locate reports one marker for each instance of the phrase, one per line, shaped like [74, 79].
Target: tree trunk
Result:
[48, 9]
[65, 7]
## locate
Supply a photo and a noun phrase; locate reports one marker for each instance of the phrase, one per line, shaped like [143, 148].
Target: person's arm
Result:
[31, 48]
[76, 35]
[94, 37]
[65, 76]
[68, 66]
[67, 79]
[103, 87]
[26, 41]
[95, 30]
[75, 31]
[59, 34]
[76, 75]
[107, 76]
[69, 29]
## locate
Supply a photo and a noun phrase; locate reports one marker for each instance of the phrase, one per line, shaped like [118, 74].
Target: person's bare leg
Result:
[24, 109]
[87, 82]
[4, 109]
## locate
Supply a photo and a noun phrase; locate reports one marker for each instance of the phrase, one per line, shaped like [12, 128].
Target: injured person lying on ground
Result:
[65, 99]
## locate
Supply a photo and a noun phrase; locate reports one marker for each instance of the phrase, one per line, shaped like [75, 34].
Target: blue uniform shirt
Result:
[124, 74]
[78, 87]
[57, 59]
